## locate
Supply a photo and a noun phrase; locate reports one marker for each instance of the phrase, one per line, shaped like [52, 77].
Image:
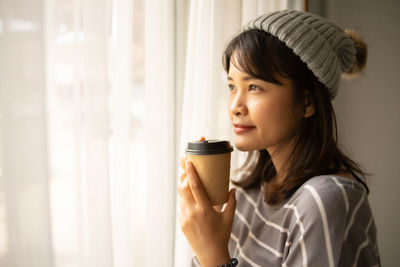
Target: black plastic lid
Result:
[208, 147]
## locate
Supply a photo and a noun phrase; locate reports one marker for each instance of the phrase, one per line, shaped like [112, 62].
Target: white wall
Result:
[368, 111]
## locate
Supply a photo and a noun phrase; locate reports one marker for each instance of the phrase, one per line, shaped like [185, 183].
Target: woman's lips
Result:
[240, 129]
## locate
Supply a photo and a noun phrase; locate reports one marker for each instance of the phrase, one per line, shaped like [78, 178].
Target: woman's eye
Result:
[253, 87]
[231, 87]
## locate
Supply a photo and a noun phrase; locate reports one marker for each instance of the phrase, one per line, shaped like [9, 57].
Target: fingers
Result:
[182, 162]
[182, 177]
[185, 192]
[184, 158]
[196, 186]
[230, 207]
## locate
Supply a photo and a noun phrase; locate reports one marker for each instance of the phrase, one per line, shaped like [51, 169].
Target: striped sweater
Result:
[326, 222]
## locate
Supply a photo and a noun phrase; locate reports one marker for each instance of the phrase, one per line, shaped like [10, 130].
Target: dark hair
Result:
[315, 152]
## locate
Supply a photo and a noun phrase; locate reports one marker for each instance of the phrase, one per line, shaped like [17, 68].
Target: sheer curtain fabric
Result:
[86, 122]
[97, 102]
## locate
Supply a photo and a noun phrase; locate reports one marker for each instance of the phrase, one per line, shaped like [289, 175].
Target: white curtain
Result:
[87, 118]
[97, 101]
[211, 26]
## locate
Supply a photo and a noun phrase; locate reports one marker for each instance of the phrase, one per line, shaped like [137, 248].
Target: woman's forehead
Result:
[237, 71]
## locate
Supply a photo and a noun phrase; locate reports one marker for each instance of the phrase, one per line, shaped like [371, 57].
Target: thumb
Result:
[230, 207]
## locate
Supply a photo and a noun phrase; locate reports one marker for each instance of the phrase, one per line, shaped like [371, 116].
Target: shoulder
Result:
[329, 197]
[333, 213]
[330, 190]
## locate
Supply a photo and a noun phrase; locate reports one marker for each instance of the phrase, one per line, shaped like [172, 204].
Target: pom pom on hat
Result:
[361, 55]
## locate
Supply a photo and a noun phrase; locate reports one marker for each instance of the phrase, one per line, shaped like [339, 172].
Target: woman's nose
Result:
[237, 106]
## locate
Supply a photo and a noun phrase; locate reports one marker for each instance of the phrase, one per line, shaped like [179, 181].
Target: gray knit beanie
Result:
[326, 49]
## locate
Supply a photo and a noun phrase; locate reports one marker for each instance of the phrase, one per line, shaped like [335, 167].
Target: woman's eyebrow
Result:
[245, 78]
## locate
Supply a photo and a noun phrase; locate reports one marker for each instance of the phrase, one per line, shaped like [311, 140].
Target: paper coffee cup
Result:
[212, 161]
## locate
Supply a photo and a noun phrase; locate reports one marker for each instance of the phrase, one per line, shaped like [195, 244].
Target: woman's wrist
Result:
[214, 261]
[232, 263]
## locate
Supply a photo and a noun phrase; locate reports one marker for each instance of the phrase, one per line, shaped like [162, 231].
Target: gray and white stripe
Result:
[299, 232]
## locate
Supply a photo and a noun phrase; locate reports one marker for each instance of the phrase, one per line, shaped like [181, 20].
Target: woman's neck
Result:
[280, 156]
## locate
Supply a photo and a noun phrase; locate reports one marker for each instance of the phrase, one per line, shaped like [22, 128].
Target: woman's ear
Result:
[309, 109]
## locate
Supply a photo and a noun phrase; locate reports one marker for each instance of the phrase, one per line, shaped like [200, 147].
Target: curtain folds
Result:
[98, 99]
[205, 93]
[25, 236]
[86, 127]
[160, 125]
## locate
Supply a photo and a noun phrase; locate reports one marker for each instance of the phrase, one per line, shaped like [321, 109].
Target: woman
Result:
[302, 202]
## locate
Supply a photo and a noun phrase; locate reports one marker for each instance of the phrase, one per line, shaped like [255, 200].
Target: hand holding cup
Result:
[206, 229]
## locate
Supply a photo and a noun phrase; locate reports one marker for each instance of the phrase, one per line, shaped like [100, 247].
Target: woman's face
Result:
[263, 114]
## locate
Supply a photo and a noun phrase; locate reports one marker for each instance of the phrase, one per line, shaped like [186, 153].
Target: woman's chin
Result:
[245, 146]
[241, 148]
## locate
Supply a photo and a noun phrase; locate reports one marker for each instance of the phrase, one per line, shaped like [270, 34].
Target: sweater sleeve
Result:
[323, 214]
